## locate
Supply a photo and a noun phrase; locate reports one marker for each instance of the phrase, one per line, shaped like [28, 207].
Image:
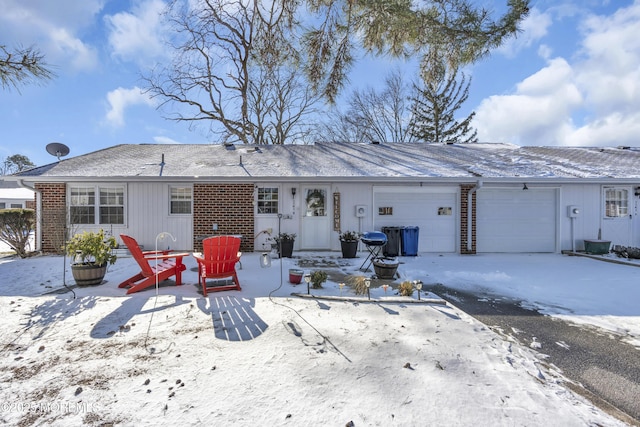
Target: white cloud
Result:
[593, 99]
[135, 35]
[543, 100]
[120, 99]
[165, 140]
[53, 28]
[610, 74]
[64, 45]
[534, 27]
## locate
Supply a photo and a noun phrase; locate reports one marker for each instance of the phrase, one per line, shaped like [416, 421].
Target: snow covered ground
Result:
[264, 357]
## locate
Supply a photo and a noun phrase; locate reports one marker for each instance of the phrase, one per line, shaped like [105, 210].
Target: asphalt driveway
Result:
[603, 368]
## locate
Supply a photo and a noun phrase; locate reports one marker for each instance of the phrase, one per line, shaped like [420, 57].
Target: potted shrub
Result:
[284, 244]
[349, 243]
[385, 268]
[90, 254]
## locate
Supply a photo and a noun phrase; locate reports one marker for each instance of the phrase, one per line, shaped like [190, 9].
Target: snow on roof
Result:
[16, 194]
[349, 160]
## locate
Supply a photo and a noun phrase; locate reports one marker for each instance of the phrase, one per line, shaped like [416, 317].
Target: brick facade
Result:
[230, 206]
[464, 212]
[54, 216]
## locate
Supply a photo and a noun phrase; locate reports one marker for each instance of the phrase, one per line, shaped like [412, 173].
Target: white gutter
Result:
[38, 213]
[470, 215]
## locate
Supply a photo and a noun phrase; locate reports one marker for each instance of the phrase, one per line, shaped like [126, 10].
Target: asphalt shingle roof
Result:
[330, 160]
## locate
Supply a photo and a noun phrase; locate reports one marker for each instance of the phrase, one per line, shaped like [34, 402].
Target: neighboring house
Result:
[15, 197]
[11, 197]
[469, 198]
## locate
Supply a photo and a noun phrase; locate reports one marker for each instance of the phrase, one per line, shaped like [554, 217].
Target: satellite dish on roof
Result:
[57, 149]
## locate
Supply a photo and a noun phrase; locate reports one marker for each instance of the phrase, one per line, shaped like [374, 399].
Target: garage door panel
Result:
[516, 220]
[437, 232]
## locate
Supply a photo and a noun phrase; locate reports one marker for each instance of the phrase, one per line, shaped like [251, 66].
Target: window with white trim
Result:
[616, 202]
[86, 208]
[180, 199]
[3, 205]
[267, 200]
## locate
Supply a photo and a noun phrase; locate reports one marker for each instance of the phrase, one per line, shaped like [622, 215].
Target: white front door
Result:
[617, 215]
[316, 221]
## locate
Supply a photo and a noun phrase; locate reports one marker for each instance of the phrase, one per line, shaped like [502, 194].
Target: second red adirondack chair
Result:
[218, 261]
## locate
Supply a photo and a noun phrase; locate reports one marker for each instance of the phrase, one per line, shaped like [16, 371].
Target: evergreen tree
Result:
[434, 107]
[15, 163]
[20, 66]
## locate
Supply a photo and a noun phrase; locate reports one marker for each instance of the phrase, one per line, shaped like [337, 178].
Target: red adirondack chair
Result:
[218, 261]
[155, 266]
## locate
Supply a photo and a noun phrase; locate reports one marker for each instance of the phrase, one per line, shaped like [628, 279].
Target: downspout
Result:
[38, 247]
[470, 215]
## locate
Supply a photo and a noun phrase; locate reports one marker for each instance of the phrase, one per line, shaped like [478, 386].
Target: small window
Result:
[616, 202]
[267, 202]
[3, 205]
[180, 200]
[16, 205]
[82, 205]
[111, 206]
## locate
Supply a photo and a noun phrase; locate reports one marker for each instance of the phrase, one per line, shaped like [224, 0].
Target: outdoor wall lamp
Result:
[293, 191]
[524, 187]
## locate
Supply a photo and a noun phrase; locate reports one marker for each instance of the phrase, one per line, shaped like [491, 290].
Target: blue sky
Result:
[572, 77]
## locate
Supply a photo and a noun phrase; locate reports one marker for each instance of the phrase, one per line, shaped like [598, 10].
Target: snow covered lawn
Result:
[263, 357]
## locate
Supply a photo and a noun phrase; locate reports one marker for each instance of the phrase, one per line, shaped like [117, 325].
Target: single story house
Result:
[466, 198]
[14, 197]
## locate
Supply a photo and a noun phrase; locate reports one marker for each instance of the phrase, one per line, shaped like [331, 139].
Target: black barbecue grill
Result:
[374, 241]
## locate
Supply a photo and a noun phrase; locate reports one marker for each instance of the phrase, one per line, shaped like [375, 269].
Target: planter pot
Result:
[86, 275]
[287, 248]
[597, 247]
[295, 275]
[385, 269]
[349, 249]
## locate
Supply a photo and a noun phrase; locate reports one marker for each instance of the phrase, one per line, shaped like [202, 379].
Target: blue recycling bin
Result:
[410, 241]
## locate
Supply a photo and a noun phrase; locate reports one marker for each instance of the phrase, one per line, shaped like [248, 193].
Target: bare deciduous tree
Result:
[231, 54]
[373, 115]
[235, 67]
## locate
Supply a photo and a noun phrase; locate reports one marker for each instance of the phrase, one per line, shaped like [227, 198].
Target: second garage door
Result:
[510, 220]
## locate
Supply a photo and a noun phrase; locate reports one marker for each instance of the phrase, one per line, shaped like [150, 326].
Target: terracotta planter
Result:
[86, 275]
[295, 275]
[349, 248]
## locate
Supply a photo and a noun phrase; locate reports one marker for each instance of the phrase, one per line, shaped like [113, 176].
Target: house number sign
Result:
[336, 211]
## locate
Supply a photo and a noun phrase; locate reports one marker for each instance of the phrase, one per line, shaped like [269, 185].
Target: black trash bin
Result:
[410, 241]
[394, 240]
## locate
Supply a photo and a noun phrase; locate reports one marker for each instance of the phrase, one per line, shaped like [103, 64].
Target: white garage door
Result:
[516, 220]
[433, 210]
